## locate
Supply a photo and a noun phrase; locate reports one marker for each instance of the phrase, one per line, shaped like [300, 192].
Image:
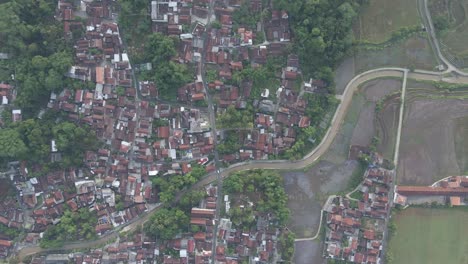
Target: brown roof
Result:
[5, 243]
[423, 190]
[163, 132]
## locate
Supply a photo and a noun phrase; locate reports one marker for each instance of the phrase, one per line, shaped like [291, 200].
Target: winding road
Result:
[314, 155]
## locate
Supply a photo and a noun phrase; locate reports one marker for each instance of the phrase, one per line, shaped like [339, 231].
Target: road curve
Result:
[427, 20]
[310, 158]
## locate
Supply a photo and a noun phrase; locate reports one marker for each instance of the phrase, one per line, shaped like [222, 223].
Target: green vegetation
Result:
[30, 140]
[264, 188]
[11, 233]
[413, 51]
[398, 35]
[211, 76]
[262, 77]
[168, 186]
[230, 144]
[323, 31]
[39, 54]
[135, 24]
[357, 177]
[166, 223]
[245, 17]
[430, 236]
[357, 195]
[380, 19]
[191, 199]
[233, 118]
[450, 22]
[286, 246]
[72, 226]
[168, 75]
[319, 106]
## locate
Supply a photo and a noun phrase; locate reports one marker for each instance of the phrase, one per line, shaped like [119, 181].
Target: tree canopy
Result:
[266, 187]
[11, 145]
[322, 30]
[166, 223]
[234, 118]
[30, 140]
[169, 186]
[168, 75]
[72, 226]
[39, 53]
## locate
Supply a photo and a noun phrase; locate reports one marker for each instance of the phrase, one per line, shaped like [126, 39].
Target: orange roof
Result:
[100, 75]
[455, 200]
[5, 243]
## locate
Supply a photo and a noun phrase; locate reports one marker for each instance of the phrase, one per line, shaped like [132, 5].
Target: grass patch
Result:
[358, 195]
[430, 236]
[356, 178]
[380, 18]
[453, 38]
[414, 52]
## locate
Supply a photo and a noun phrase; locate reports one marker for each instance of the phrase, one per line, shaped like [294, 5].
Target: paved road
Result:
[313, 156]
[427, 20]
[277, 164]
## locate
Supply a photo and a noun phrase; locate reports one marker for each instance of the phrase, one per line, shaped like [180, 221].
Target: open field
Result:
[432, 125]
[307, 190]
[454, 39]
[6, 189]
[310, 252]
[414, 52]
[430, 236]
[380, 18]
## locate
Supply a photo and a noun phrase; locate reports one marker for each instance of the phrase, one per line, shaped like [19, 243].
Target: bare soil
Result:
[308, 252]
[367, 126]
[413, 52]
[431, 131]
[307, 190]
[387, 125]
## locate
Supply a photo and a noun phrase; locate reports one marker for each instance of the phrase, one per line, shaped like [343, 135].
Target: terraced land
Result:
[434, 125]
[453, 40]
[379, 18]
[413, 52]
[308, 189]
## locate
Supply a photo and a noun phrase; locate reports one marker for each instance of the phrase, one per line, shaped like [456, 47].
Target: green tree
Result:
[11, 145]
[120, 90]
[233, 118]
[166, 223]
[160, 48]
[66, 135]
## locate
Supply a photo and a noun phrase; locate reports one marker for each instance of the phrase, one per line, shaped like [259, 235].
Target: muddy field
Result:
[6, 189]
[387, 125]
[380, 18]
[413, 52]
[432, 142]
[308, 252]
[307, 190]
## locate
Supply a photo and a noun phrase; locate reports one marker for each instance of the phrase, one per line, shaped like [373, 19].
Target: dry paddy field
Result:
[433, 143]
[413, 52]
[379, 18]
